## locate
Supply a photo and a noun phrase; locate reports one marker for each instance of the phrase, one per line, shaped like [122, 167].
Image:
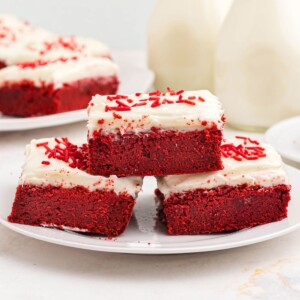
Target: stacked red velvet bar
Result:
[155, 134]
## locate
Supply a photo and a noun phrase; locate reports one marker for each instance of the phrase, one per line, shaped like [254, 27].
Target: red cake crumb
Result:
[26, 100]
[2, 65]
[101, 212]
[224, 208]
[155, 153]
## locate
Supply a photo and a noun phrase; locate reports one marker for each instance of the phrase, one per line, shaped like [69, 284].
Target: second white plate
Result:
[285, 138]
[133, 78]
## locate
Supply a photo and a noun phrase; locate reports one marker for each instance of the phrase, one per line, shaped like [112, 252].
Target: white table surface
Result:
[32, 269]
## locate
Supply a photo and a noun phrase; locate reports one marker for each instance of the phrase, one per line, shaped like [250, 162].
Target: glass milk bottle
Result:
[258, 62]
[181, 43]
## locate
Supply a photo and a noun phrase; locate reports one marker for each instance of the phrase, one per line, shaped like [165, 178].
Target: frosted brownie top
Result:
[245, 162]
[58, 71]
[15, 35]
[12, 29]
[21, 42]
[183, 111]
[57, 162]
[50, 47]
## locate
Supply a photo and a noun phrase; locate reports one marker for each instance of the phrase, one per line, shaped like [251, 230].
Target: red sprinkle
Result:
[138, 94]
[139, 104]
[117, 116]
[45, 162]
[155, 93]
[179, 92]
[156, 103]
[166, 101]
[42, 144]
[201, 99]
[122, 108]
[246, 139]
[75, 156]
[153, 98]
[122, 104]
[189, 102]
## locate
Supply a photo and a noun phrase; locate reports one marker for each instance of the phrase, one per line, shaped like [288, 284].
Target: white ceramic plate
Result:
[285, 138]
[144, 235]
[133, 78]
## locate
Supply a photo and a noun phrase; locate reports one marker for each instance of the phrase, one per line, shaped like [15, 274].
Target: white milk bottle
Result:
[181, 43]
[258, 62]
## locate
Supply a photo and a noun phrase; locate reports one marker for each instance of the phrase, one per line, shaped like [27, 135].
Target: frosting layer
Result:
[21, 42]
[265, 171]
[186, 111]
[16, 35]
[58, 71]
[57, 172]
[43, 46]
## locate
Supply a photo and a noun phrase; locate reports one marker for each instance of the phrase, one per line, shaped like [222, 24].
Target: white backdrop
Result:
[119, 23]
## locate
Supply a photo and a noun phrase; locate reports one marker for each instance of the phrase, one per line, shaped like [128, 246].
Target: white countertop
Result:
[32, 269]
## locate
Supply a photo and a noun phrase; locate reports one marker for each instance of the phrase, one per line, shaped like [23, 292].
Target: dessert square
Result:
[56, 191]
[49, 87]
[155, 134]
[252, 189]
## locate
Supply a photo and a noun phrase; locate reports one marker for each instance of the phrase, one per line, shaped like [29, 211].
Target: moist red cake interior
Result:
[102, 212]
[224, 208]
[25, 99]
[155, 153]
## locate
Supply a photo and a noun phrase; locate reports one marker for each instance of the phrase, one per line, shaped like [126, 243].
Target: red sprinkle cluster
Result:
[74, 155]
[158, 98]
[241, 152]
[66, 43]
[40, 63]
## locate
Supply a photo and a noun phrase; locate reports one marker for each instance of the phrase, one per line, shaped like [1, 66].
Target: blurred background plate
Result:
[134, 77]
[285, 138]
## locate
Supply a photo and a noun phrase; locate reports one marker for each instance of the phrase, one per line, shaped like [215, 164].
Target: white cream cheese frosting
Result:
[58, 173]
[42, 46]
[184, 111]
[59, 71]
[12, 29]
[15, 35]
[20, 42]
[265, 171]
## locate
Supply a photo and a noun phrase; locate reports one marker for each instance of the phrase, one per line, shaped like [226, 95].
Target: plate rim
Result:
[271, 132]
[150, 250]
